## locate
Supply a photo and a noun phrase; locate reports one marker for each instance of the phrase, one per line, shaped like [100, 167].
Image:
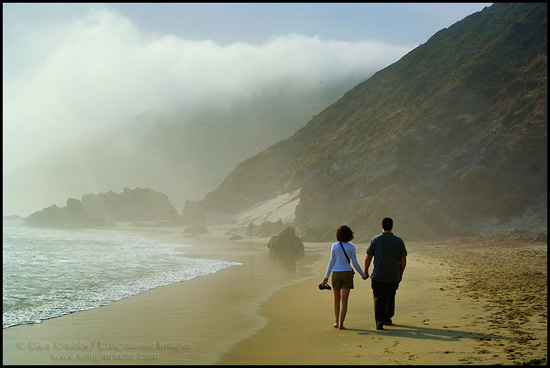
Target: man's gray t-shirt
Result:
[387, 250]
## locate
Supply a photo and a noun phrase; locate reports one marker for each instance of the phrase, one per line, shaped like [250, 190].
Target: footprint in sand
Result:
[425, 322]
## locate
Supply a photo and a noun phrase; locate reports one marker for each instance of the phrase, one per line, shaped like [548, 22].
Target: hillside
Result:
[451, 139]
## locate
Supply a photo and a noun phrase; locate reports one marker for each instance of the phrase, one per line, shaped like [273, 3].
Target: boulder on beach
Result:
[286, 242]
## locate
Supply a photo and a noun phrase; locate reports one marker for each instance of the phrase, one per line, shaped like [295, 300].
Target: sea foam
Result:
[48, 273]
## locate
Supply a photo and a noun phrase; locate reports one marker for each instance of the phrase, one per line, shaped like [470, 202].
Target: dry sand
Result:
[469, 301]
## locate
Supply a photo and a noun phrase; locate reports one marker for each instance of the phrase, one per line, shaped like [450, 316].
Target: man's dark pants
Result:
[384, 300]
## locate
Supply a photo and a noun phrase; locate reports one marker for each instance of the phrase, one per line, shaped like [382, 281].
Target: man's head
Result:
[387, 224]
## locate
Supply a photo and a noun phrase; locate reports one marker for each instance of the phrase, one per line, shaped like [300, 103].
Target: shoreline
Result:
[191, 322]
[268, 310]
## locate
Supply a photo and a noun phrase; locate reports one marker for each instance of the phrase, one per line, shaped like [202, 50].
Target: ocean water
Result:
[48, 273]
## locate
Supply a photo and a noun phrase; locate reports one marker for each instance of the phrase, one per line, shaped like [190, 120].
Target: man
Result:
[390, 260]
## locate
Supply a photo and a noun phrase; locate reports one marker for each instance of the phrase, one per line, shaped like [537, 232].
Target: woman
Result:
[342, 273]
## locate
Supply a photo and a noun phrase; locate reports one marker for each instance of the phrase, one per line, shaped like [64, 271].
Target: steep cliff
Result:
[450, 139]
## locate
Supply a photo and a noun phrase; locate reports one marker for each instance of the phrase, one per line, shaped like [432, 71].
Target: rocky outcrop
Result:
[286, 242]
[130, 205]
[105, 208]
[71, 216]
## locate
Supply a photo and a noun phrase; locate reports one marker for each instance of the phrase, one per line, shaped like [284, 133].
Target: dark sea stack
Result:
[139, 204]
[286, 242]
[104, 209]
[71, 216]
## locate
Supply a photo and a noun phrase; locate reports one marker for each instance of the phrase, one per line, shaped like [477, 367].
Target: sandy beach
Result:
[472, 301]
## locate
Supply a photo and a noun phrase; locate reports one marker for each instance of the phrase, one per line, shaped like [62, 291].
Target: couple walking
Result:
[390, 259]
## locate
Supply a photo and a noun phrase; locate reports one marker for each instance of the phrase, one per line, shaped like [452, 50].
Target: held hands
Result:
[366, 276]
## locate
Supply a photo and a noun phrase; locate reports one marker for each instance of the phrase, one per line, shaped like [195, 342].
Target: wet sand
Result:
[269, 311]
[191, 322]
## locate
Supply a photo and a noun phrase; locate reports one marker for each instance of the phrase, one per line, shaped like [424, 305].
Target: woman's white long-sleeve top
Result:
[338, 261]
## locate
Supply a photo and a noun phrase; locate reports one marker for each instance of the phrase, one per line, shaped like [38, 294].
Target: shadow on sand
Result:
[441, 334]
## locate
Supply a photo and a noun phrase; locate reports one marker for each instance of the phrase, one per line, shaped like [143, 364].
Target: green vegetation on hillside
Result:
[451, 135]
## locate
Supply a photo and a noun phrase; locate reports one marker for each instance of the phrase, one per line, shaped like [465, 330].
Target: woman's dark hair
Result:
[344, 234]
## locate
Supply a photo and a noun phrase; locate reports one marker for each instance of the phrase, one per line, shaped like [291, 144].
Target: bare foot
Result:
[341, 328]
[335, 325]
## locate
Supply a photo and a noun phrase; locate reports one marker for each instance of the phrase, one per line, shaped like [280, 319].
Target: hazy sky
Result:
[70, 68]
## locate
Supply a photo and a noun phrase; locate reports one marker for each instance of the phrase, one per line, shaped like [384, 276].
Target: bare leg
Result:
[336, 307]
[344, 308]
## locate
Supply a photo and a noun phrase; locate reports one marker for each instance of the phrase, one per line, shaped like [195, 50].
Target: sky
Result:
[71, 68]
